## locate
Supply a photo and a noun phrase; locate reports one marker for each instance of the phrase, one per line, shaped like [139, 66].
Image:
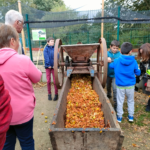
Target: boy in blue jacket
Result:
[125, 68]
[112, 54]
[49, 66]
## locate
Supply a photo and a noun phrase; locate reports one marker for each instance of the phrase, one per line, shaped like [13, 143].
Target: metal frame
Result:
[80, 54]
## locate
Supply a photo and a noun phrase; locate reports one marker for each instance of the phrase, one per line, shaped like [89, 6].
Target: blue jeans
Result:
[24, 132]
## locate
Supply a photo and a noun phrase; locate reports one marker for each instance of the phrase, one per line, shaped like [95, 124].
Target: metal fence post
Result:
[29, 39]
[118, 26]
[69, 38]
[88, 37]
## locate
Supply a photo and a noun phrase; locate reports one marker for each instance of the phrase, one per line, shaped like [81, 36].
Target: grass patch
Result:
[139, 120]
[141, 117]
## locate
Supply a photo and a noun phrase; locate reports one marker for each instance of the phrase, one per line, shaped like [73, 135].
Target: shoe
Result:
[119, 119]
[136, 89]
[109, 96]
[49, 97]
[56, 97]
[148, 106]
[131, 118]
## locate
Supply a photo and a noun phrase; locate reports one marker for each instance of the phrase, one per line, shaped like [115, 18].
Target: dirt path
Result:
[41, 129]
[137, 134]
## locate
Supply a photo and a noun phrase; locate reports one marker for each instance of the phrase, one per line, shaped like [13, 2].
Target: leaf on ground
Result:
[134, 145]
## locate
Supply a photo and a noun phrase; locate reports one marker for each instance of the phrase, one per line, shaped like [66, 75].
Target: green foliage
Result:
[137, 34]
[10, 2]
[131, 4]
[60, 8]
[47, 5]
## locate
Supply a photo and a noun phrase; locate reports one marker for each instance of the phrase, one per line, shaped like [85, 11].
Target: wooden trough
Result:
[78, 62]
[85, 139]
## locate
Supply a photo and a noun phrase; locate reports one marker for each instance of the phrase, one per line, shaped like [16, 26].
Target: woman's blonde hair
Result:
[145, 55]
[6, 33]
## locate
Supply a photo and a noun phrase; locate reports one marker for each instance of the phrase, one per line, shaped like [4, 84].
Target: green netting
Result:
[133, 27]
[137, 34]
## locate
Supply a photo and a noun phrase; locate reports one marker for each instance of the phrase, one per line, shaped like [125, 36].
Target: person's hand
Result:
[49, 67]
[109, 59]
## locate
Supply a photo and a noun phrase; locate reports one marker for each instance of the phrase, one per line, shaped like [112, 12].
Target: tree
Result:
[137, 5]
[47, 5]
[10, 2]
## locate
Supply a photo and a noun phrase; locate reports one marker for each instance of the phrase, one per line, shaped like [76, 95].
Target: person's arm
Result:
[112, 65]
[137, 71]
[5, 112]
[47, 64]
[33, 73]
[108, 59]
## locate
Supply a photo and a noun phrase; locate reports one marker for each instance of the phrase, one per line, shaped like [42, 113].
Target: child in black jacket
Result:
[144, 54]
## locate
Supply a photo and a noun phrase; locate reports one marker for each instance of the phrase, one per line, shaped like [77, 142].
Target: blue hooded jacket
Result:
[49, 56]
[113, 56]
[125, 68]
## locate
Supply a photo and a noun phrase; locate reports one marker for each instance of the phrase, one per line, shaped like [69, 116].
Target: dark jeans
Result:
[111, 82]
[24, 132]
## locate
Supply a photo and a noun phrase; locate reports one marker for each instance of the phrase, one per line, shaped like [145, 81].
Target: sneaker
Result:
[119, 119]
[131, 118]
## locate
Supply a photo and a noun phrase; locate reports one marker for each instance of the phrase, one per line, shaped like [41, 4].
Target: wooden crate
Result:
[73, 138]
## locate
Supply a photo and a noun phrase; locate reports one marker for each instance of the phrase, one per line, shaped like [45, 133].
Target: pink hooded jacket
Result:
[19, 73]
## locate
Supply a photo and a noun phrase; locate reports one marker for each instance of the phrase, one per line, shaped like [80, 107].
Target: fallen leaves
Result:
[50, 130]
[83, 105]
[53, 123]
[39, 84]
[134, 145]
[100, 131]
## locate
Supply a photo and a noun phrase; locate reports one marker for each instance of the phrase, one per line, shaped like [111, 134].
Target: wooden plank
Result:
[61, 106]
[106, 105]
[86, 141]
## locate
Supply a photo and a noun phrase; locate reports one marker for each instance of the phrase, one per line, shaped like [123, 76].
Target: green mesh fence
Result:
[85, 26]
[136, 34]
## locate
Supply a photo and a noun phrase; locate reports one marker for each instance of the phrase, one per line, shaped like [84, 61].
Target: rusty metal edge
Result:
[85, 129]
[94, 44]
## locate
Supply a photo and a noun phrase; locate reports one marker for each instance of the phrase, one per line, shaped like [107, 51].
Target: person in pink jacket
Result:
[18, 73]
